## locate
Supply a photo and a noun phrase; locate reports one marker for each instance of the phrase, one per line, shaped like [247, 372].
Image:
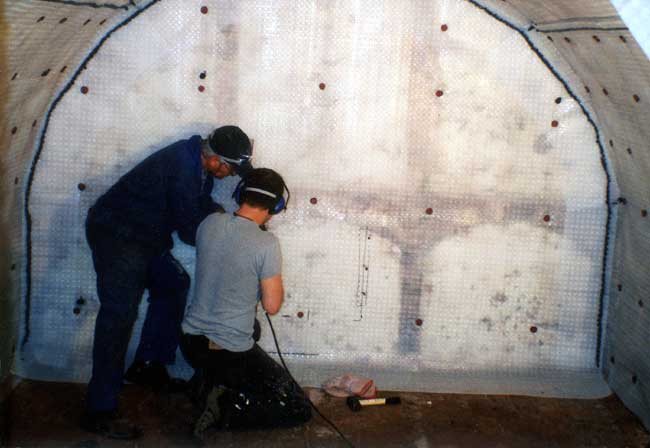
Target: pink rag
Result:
[350, 384]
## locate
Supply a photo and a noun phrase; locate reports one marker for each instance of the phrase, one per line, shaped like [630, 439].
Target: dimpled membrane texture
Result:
[447, 218]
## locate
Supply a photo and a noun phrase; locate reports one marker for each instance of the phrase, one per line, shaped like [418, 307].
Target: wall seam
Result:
[584, 28]
[89, 4]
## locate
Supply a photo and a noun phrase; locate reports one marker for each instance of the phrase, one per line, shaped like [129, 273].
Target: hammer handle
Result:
[379, 401]
[357, 403]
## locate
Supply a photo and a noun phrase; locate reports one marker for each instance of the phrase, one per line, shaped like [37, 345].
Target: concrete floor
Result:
[40, 414]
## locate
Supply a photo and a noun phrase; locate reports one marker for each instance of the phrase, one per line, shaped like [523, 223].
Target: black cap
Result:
[233, 146]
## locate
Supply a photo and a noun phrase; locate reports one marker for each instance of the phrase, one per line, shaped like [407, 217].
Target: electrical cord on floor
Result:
[277, 346]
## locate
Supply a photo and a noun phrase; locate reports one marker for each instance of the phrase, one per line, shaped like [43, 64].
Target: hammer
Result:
[356, 403]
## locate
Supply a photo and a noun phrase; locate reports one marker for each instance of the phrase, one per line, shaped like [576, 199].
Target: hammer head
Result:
[353, 404]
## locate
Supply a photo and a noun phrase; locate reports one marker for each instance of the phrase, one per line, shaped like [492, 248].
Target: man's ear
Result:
[213, 162]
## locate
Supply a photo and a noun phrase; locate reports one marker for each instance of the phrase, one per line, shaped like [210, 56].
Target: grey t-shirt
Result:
[232, 255]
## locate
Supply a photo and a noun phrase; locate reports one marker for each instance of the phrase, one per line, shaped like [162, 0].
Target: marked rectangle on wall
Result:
[447, 210]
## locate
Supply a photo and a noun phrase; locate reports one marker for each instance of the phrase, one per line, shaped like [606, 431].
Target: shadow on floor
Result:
[41, 414]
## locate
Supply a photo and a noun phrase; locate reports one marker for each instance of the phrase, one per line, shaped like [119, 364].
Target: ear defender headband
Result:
[280, 204]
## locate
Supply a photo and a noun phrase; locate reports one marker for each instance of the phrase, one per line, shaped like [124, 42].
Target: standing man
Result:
[129, 230]
[238, 265]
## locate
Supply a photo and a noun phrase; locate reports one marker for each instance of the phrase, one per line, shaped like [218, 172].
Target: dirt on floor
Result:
[40, 414]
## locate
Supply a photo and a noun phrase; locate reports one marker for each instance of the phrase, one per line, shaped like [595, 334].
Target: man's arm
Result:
[190, 203]
[272, 294]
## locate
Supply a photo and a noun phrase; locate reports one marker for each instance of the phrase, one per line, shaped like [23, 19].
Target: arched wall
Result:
[615, 72]
[42, 44]
[586, 36]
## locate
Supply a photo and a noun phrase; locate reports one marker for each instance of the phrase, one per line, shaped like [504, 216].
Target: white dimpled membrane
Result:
[442, 233]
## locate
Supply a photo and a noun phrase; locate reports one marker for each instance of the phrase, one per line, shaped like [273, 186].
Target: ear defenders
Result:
[280, 203]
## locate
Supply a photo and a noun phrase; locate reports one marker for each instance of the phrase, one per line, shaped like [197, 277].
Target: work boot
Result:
[154, 375]
[198, 388]
[211, 415]
[109, 424]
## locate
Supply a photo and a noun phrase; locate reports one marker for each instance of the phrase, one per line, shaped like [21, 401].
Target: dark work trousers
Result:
[259, 392]
[124, 270]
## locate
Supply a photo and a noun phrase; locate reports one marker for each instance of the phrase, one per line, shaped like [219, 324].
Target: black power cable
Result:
[277, 346]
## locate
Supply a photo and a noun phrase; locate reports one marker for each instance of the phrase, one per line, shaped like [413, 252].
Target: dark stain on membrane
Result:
[416, 234]
[542, 144]
[411, 292]
[488, 323]
[498, 299]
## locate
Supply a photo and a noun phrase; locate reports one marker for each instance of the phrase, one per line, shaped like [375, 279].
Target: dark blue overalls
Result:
[129, 232]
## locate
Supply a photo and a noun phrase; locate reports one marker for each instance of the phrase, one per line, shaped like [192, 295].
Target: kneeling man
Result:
[238, 264]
